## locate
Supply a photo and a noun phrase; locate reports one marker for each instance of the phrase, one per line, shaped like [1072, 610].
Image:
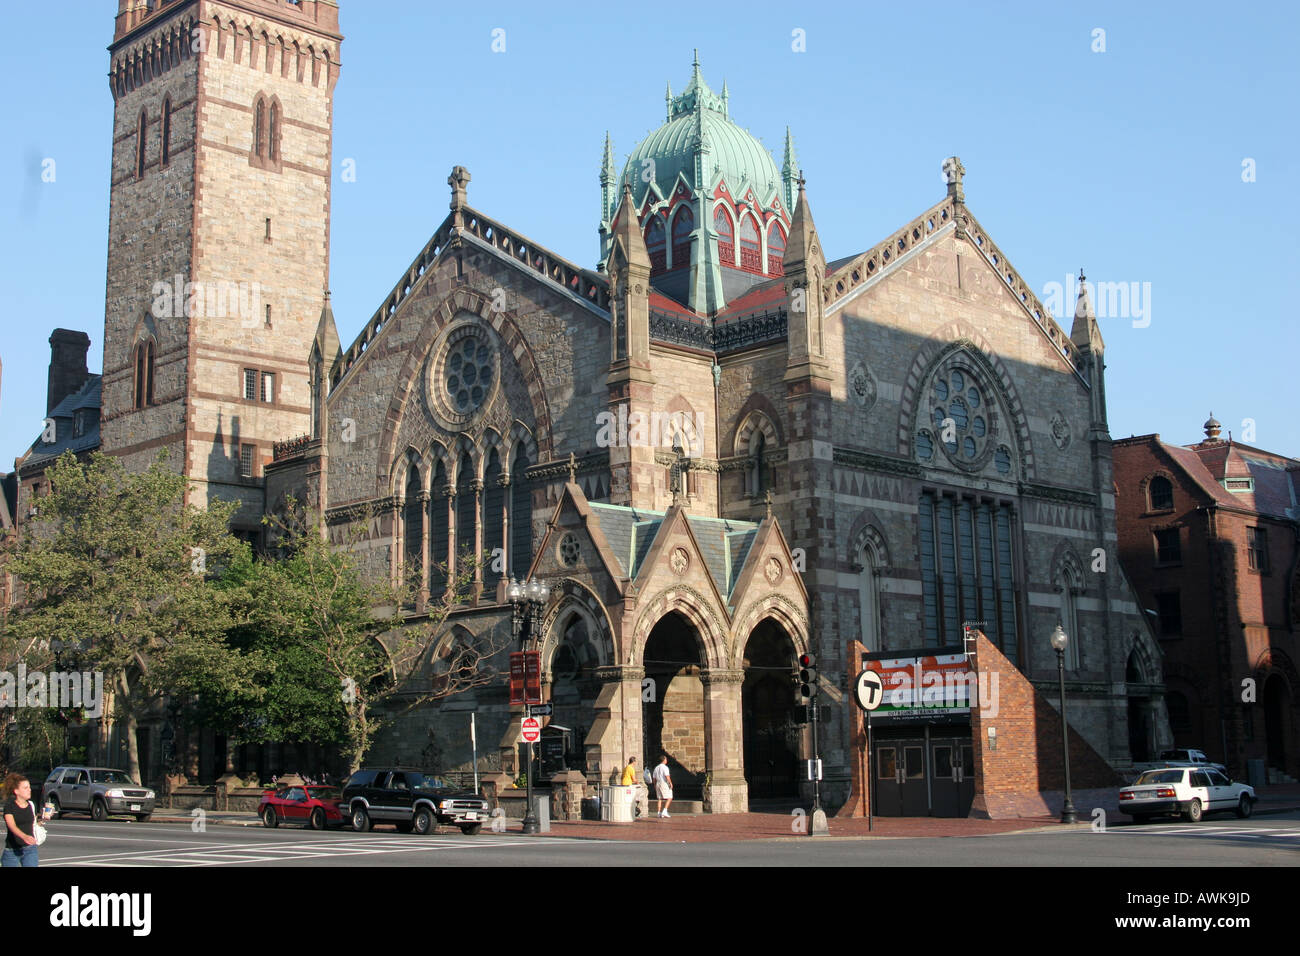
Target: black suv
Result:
[411, 800]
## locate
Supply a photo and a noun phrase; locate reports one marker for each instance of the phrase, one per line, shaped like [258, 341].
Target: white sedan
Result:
[1183, 790]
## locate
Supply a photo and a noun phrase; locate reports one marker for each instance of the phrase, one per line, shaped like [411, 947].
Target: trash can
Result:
[542, 811]
[1255, 773]
[591, 808]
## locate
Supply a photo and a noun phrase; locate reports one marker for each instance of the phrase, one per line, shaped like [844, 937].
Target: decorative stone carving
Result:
[679, 561]
[1060, 431]
[570, 550]
[772, 570]
[862, 385]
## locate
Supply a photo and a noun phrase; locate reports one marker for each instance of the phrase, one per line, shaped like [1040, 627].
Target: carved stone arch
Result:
[1272, 661]
[685, 421]
[754, 424]
[519, 435]
[491, 441]
[407, 393]
[577, 600]
[462, 446]
[762, 404]
[865, 535]
[778, 608]
[696, 609]
[438, 452]
[959, 337]
[401, 470]
[1067, 569]
[1140, 647]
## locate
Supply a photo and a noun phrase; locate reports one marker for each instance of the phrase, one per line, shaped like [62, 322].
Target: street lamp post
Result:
[526, 603]
[1061, 640]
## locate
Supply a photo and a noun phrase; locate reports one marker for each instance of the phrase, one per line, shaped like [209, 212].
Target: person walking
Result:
[663, 786]
[629, 773]
[20, 822]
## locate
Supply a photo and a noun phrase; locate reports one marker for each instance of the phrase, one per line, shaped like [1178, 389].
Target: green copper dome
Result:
[698, 125]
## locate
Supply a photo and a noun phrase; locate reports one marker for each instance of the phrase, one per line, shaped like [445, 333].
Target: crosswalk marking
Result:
[1229, 832]
[244, 853]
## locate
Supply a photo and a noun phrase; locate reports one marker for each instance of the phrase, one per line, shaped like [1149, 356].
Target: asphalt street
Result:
[1272, 840]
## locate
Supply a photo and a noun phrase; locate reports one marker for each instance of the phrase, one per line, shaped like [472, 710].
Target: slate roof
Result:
[1276, 477]
[64, 413]
[8, 501]
[724, 544]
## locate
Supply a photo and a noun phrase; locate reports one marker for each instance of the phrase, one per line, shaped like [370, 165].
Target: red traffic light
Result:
[806, 660]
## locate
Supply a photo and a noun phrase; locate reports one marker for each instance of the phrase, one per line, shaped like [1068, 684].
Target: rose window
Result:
[468, 374]
[960, 421]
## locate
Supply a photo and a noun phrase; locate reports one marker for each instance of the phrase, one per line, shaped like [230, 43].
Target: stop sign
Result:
[531, 729]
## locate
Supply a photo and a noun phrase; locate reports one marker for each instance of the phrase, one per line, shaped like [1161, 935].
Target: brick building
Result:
[1210, 537]
[717, 448]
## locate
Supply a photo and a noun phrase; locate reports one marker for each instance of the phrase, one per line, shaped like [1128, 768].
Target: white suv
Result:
[1187, 791]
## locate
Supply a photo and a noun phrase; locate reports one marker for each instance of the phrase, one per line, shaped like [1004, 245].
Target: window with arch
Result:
[726, 236]
[750, 251]
[413, 525]
[166, 130]
[466, 513]
[1068, 581]
[439, 530]
[758, 465]
[869, 600]
[142, 132]
[959, 421]
[1160, 494]
[967, 570]
[521, 515]
[775, 250]
[144, 372]
[268, 122]
[683, 226]
[494, 506]
[656, 243]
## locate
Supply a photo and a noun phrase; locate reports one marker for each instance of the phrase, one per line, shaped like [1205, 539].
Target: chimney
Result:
[68, 370]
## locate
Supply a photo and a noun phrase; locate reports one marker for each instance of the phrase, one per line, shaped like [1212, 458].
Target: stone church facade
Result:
[718, 449]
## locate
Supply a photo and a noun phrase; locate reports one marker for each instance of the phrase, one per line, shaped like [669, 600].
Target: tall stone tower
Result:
[218, 240]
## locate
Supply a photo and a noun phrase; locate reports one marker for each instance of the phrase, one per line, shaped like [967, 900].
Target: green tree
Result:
[119, 567]
[377, 664]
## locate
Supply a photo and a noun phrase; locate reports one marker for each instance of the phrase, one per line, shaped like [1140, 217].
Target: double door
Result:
[924, 778]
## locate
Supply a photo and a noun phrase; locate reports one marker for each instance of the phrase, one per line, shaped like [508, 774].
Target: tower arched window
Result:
[775, 250]
[144, 372]
[413, 526]
[259, 128]
[142, 131]
[683, 226]
[726, 236]
[438, 532]
[656, 243]
[750, 251]
[166, 130]
[521, 515]
[273, 134]
[758, 467]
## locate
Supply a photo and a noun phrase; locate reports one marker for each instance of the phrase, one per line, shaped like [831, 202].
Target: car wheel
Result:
[360, 820]
[403, 827]
[58, 811]
[99, 811]
[1193, 812]
[143, 817]
[1244, 807]
[270, 819]
[422, 823]
[471, 829]
[317, 819]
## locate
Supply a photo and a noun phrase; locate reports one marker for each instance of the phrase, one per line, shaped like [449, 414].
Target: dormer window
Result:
[1161, 494]
[1239, 486]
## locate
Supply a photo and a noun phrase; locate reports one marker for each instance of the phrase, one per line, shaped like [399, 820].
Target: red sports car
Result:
[316, 807]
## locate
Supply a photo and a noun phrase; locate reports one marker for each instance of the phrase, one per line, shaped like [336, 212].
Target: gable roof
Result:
[42, 454]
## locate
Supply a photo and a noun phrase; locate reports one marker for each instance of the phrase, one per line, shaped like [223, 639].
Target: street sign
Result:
[868, 690]
[533, 677]
[540, 710]
[531, 729]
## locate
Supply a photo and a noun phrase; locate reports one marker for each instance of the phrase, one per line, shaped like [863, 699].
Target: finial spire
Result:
[767, 500]
[573, 469]
[953, 171]
[668, 102]
[726, 95]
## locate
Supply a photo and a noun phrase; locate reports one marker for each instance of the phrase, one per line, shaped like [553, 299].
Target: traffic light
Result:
[807, 677]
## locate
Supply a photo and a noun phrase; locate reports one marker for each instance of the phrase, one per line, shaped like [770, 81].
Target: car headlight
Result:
[148, 795]
[114, 793]
[444, 804]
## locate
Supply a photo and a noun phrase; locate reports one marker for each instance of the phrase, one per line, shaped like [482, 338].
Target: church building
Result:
[721, 448]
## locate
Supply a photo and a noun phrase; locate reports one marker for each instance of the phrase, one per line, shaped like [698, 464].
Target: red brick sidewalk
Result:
[705, 828]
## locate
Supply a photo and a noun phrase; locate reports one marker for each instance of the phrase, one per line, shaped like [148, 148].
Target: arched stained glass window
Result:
[726, 236]
[775, 250]
[683, 226]
[749, 246]
[656, 242]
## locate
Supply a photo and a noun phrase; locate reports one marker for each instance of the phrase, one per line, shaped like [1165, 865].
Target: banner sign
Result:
[925, 688]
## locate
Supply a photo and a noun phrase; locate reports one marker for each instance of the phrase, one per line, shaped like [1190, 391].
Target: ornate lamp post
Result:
[526, 603]
[1060, 640]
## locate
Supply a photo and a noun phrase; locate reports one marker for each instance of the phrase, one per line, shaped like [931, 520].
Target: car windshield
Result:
[426, 781]
[111, 777]
[324, 793]
[1161, 776]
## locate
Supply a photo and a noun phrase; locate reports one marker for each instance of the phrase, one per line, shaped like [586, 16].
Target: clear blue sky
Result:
[1127, 162]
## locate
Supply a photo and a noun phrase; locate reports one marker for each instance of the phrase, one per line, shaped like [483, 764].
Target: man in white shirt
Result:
[663, 786]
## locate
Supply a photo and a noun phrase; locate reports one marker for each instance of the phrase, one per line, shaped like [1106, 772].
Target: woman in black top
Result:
[20, 823]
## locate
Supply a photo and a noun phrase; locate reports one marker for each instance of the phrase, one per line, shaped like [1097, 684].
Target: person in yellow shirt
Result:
[629, 773]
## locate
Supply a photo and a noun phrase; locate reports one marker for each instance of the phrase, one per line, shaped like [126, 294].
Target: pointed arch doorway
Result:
[772, 732]
[673, 710]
